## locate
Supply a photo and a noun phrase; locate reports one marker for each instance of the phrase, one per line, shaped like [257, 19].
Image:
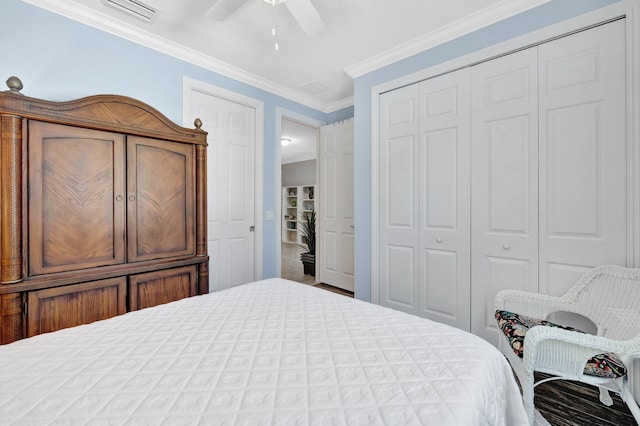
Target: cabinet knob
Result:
[132, 197]
[118, 197]
[438, 240]
[506, 246]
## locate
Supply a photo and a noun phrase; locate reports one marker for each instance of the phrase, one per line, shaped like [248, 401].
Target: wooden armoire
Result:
[102, 211]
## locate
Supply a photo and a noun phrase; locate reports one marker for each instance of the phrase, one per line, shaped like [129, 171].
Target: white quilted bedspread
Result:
[270, 352]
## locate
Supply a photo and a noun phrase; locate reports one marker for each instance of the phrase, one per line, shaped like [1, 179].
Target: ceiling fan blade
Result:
[222, 9]
[307, 16]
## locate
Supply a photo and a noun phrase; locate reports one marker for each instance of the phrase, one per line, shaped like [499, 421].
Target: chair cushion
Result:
[515, 327]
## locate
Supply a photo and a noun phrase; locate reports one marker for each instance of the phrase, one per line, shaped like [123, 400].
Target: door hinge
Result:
[252, 228]
[25, 307]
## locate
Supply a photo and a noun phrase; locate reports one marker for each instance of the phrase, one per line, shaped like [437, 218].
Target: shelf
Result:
[305, 203]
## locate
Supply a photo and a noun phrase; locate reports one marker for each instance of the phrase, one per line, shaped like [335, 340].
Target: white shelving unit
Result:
[297, 201]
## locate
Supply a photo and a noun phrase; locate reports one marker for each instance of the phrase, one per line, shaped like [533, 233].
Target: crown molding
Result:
[341, 104]
[81, 13]
[503, 10]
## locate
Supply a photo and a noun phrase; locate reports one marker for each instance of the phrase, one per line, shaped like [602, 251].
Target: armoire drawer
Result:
[163, 286]
[68, 306]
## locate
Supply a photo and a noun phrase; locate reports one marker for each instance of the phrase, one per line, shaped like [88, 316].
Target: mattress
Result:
[269, 352]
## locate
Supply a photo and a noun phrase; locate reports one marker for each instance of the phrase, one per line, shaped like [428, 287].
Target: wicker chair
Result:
[607, 295]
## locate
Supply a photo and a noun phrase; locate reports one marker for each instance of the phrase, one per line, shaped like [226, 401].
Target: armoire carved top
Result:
[104, 112]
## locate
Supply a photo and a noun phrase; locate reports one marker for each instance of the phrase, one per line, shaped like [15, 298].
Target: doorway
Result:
[298, 200]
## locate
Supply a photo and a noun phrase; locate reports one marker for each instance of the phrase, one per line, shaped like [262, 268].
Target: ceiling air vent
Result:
[133, 7]
[315, 87]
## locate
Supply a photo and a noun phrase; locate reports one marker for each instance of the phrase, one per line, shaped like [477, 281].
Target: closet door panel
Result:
[504, 183]
[398, 214]
[583, 164]
[444, 199]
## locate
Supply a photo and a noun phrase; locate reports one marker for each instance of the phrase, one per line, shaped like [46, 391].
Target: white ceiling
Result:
[360, 36]
[304, 140]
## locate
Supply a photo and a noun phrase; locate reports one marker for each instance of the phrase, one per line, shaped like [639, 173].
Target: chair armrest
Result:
[529, 304]
[566, 351]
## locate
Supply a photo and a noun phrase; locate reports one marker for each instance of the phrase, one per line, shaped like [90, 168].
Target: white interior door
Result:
[444, 190]
[583, 161]
[336, 204]
[504, 183]
[399, 223]
[230, 186]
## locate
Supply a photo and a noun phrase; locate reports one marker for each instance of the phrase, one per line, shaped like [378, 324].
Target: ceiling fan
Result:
[302, 10]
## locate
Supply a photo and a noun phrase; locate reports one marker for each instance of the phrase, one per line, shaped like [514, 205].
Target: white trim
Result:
[312, 122]
[451, 31]
[189, 85]
[86, 15]
[623, 8]
[375, 190]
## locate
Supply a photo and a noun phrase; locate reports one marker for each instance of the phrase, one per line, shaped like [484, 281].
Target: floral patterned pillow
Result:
[515, 327]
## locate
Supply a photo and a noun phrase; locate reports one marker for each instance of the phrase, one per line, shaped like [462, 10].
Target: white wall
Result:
[299, 173]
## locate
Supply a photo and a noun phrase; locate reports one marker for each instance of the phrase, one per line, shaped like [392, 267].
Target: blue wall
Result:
[60, 59]
[542, 16]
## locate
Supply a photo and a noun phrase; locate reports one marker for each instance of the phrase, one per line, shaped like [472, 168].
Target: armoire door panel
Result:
[583, 151]
[161, 191]
[504, 176]
[76, 198]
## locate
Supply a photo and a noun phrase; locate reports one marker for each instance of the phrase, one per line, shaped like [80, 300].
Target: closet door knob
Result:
[132, 197]
[118, 197]
[438, 240]
[506, 246]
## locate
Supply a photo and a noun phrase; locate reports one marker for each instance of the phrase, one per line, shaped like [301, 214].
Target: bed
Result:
[269, 352]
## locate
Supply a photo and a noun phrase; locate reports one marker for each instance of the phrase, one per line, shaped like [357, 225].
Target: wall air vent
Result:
[133, 7]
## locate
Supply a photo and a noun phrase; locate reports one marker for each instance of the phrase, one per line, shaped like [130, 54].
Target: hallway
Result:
[292, 265]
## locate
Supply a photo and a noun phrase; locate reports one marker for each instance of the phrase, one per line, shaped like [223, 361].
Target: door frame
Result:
[625, 8]
[188, 86]
[282, 113]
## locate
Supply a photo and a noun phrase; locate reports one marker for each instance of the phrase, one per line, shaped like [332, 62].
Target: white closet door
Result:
[398, 195]
[445, 199]
[336, 205]
[504, 183]
[583, 163]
